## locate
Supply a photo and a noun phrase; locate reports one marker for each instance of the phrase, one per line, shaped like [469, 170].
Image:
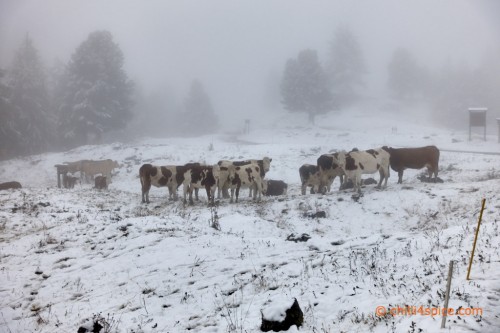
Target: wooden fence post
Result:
[447, 296]
[475, 239]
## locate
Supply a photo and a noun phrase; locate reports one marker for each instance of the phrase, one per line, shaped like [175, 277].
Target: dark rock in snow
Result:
[294, 316]
[301, 238]
[319, 214]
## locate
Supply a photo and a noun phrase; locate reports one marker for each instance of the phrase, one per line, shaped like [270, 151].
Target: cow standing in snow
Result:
[170, 176]
[200, 176]
[309, 177]
[329, 168]
[248, 175]
[223, 181]
[356, 163]
[414, 158]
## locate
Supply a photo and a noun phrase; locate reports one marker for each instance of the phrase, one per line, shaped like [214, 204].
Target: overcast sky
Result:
[233, 46]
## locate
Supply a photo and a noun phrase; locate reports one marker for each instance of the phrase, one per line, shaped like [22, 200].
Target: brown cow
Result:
[414, 158]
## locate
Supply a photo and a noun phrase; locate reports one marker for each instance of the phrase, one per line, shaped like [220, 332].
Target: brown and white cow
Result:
[309, 177]
[356, 163]
[414, 158]
[223, 184]
[328, 169]
[200, 176]
[170, 176]
[248, 175]
[92, 168]
[272, 187]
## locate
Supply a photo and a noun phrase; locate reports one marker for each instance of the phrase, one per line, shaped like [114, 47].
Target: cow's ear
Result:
[270, 160]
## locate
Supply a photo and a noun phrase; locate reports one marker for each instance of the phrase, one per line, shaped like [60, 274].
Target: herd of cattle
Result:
[231, 176]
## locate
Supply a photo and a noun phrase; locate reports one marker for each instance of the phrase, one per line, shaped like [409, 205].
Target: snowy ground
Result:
[70, 256]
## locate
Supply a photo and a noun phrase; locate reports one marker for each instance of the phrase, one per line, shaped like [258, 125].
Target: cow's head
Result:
[266, 163]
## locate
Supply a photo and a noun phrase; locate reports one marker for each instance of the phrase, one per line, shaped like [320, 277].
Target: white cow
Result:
[223, 184]
[248, 175]
[356, 163]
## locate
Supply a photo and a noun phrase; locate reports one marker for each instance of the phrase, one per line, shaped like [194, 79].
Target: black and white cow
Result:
[200, 176]
[356, 163]
[223, 181]
[272, 187]
[309, 177]
[248, 175]
[328, 169]
[170, 176]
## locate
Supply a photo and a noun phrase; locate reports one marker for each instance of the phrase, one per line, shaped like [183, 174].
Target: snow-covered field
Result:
[71, 256]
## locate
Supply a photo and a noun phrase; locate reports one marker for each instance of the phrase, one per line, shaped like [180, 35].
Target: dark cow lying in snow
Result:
[414, 158]
[274, 187]
[10, 185]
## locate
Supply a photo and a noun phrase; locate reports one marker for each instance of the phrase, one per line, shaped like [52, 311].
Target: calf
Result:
[161, 176]
[103, 167]
[69, 181]
[101, 182]
[328, 169]
[10, 185]
[274, 187]
[200, 176]
[309, 176]
[414, 158]
[356, 163]
[248, 175]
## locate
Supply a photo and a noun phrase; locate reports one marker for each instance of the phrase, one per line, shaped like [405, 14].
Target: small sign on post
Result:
[247, 126]
[477, 118]
[498, 122]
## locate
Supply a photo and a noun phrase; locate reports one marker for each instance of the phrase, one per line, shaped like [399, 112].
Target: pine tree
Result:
[199, 115]
[29, 123]
[304, 86]
[97, 96]
[405, 75]
[345, 67]
[8, 132]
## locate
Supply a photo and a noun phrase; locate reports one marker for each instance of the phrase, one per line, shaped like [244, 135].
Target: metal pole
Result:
[475, 238]
[447, 297]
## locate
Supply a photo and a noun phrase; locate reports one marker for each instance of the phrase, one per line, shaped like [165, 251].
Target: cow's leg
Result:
[303, 188]
[225, 189]
[190, 191]
[185, 191]
[232, 194]
[386, 175]
[219, 188]
[196, 193]
[237, 192]
[400, 177]
[381, 173]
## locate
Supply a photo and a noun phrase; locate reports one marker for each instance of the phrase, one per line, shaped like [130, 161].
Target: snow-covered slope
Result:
[69, 257]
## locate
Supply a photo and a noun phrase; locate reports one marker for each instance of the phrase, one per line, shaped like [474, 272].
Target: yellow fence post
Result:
[475, 239]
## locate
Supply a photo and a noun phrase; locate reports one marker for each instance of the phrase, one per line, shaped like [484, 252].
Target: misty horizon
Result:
[239, 50]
